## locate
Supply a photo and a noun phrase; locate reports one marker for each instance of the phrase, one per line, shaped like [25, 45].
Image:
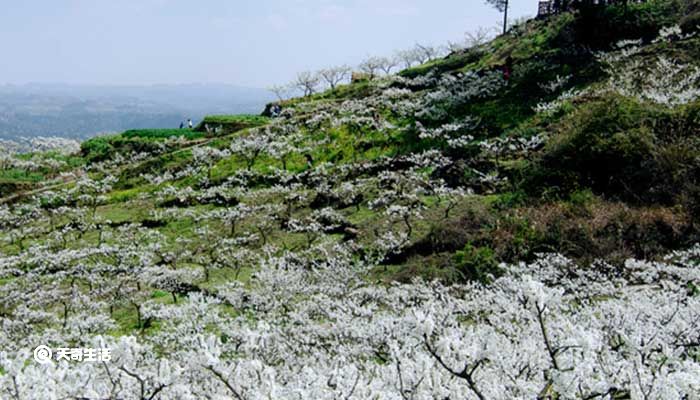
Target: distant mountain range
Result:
[81, 111]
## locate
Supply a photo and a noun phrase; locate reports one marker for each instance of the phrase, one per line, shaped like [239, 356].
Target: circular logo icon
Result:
[42, 354]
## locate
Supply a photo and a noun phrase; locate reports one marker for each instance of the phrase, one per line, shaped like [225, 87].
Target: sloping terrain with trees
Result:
[516, 219]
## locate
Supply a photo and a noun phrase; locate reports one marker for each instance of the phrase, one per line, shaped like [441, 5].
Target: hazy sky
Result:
[252, 43]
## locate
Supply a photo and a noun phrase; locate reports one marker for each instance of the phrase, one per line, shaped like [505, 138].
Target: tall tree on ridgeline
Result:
[501, 6]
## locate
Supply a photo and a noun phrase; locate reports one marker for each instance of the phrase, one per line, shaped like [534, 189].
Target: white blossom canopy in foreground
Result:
[311, 327]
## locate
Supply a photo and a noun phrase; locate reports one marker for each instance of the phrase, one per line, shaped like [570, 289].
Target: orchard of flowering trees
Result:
[308, 325]
[279, 262]
[310, 82]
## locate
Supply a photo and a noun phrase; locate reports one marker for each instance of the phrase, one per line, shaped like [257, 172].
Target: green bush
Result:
[580, 199]
[97, 148]
[510, 200]
[236, 118]
[693, 289]
[452, 62]
[231, 123]
[619, 147]
[691, 23]
[20, 175]
[103, 148]
[8, 187]
[476, 263]
[600, 27]
[161, 133]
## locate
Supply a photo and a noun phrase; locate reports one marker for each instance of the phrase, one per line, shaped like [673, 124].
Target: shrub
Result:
[621, 148]
[691, 21]
[230, 123]
[97, 148]
[597, 146]
[510, 200]
[581, 198]
[600, 27]
[161, 133]
[10, 187]
[605, 230]
[476, 263]
[105, 147]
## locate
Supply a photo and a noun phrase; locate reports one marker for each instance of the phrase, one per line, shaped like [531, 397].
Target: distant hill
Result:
[81, 111]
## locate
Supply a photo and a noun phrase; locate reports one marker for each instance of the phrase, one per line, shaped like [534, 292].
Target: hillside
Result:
[515, 220]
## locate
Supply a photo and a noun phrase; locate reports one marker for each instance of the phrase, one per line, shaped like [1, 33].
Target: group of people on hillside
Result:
[275, 110]
[189, 124]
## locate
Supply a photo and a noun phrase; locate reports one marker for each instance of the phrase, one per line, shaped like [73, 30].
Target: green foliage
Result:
[20, 175]
[252, 120]
[97, 148]
[502, 113]
[162, 133]
[230, 123]
[476, 263]
[600, 27]
[8, 187]
[158, 294]
[581, 198]
[123, 196]
[354, 90]
[691, 22]
[520, 239]
[533, 38]
[604, 145]
[693, 289]
[102, 148]
[459, 60]
[510, 200]
[622, 148]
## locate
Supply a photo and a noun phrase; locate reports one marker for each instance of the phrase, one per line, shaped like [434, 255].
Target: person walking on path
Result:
[189, 123]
